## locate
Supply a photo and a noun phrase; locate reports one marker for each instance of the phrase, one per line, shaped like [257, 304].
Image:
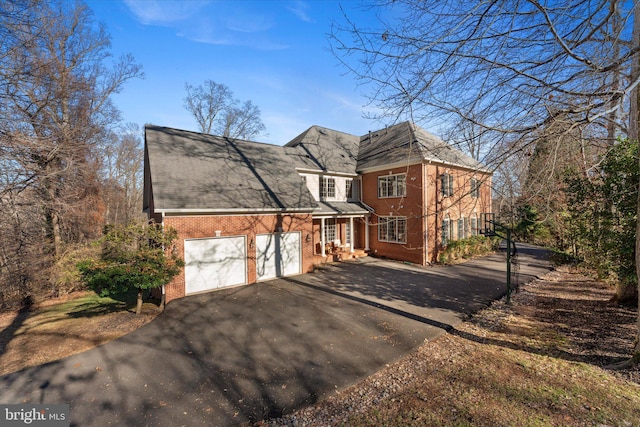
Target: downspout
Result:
[425, 211]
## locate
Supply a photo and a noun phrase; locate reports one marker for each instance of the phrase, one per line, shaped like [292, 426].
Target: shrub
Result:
[457, 250]
[134, 258]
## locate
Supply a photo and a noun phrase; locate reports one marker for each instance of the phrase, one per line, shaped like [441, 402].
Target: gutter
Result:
[232, 211]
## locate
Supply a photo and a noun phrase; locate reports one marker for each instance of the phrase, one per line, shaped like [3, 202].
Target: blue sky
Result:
[274, 53]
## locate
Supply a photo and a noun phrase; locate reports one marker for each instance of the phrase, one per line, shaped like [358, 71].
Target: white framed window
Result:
[446, 232]
[475, 188]
[329, 230]
[327, 188]
[446, 184]
[463, 225]
[392, 186]
[347, 237]
[474, 225]
[392, 229]
[348, 188]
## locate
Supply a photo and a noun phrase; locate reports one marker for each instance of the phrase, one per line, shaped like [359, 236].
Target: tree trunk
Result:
[636, 350]
[139, 302]
[634, 125]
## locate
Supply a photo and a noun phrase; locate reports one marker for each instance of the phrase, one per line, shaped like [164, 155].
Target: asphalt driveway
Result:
[244, 354]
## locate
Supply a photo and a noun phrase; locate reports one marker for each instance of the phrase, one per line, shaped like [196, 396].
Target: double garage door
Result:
[222, 261]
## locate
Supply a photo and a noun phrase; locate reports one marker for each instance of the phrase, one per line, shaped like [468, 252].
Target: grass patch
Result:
[65, 326]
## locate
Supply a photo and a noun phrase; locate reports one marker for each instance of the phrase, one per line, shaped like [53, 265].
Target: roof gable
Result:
[325, 150]
[193, 171]
[406, 142]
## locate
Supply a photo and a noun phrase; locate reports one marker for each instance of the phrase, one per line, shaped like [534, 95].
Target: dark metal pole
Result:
[508, 265]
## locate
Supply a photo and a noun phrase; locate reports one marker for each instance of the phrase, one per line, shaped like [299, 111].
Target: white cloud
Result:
[217, 23]
[155, 12]
[300, 8]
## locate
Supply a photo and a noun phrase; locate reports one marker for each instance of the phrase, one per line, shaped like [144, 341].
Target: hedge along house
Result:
[241, 211]
[424, 192]
[247, 211]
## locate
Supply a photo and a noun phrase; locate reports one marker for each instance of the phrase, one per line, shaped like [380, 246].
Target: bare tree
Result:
[207, 102]
[122, 174]
[241, 122]
[524, 64]
[217, 112]
[57, 80]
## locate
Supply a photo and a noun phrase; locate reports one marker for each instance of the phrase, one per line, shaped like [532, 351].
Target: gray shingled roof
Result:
[341, 208]
[406, 142]
[324, 150]
[198, 172]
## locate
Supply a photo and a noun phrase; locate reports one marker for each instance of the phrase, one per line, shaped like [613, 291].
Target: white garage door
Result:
[214, 263]
[277, 255]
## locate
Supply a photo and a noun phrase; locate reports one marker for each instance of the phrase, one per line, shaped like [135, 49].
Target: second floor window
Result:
[392, 185]
[348, 188]
[475, 188]
[327, 188]
[446, 184]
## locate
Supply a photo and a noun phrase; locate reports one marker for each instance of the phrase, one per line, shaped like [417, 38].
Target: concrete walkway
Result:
[244, 354]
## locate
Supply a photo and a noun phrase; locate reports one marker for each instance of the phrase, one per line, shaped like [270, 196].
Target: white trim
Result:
[366, 234]
[425, 221]
[322, 242]
[326, 172]
[387, 166]
[240, 211]
[351, 235]
[337, 215]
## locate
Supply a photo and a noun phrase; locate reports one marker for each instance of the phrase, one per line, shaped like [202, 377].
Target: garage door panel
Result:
[214, 263]
[291, 254]
[277, 255]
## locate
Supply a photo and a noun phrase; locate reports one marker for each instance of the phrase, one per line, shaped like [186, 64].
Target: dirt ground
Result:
[62, 327]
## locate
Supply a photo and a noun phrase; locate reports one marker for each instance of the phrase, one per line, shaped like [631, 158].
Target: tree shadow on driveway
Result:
[240, 355]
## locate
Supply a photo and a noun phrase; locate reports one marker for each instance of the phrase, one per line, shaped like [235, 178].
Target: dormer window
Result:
[327, 188]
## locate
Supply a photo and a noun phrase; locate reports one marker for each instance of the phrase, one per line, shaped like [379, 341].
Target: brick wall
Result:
[424, 206]
[201, 226]
[409, 206]
[459, 205]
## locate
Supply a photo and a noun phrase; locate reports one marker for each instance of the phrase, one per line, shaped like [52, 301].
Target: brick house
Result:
[247, 211]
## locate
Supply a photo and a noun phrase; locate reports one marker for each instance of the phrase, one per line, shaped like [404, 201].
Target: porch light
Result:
[251, 244]
[308, 238]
